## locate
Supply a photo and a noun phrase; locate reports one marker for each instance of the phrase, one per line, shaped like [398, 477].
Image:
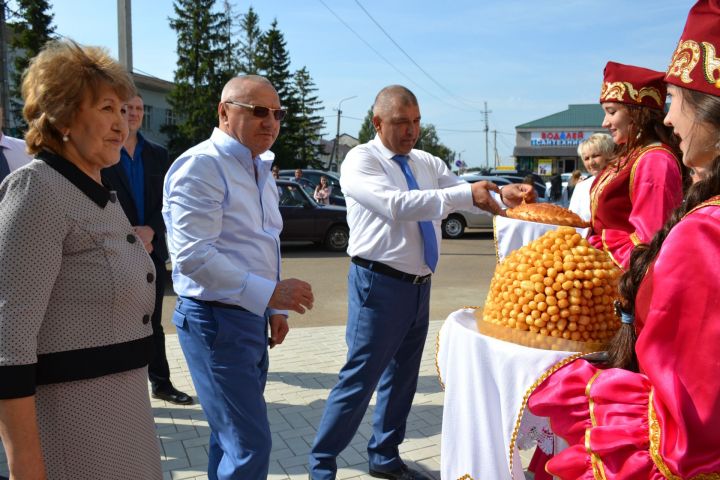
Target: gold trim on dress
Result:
[607, 250]
[437, 361]
[635, 239]
[526, 397]
[597, 465]
[712, 201]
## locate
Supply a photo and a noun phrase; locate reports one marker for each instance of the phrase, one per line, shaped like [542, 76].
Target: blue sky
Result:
[525, 58]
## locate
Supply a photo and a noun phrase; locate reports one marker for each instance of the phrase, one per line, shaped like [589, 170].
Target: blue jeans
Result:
[386, 330]
[226, 353]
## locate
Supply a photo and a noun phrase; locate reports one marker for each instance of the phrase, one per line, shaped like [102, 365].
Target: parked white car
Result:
[455, 224]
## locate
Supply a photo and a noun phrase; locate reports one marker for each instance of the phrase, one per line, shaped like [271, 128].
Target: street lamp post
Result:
[334, 154]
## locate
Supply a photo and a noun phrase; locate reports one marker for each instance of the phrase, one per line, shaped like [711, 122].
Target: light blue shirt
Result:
[223, 224]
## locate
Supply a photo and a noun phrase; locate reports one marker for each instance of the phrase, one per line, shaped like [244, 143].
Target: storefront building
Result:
[549, 145]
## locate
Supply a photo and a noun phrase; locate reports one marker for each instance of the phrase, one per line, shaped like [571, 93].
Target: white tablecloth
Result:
[487, 383]
[511, 234]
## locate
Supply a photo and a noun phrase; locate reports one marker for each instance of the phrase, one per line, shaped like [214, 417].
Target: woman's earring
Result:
[65, 137]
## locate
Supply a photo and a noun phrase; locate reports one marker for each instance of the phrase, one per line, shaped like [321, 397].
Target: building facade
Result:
[548, 145]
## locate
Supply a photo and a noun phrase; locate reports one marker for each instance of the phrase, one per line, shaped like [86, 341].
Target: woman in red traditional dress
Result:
[634, 196]
[663, 422]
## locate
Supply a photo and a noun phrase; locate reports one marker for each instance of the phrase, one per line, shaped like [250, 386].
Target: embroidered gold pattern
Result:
[523, 405]
[711, 63]
[651, 92]
[684, 60]
[616, 91]
[612, 91]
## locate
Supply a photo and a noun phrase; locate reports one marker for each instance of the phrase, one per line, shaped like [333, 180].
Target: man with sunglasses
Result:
[396, 199]
[223, 225]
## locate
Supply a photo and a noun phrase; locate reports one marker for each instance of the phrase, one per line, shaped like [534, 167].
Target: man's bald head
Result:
[238, 87]
[391, 97]
[396, 118]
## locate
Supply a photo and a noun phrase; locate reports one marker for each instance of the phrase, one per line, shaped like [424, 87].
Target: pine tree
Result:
[32, 30]
[230, 65]
[310, 124]
[200, 73]
[274, 62]
[367, 129]
[250, 38]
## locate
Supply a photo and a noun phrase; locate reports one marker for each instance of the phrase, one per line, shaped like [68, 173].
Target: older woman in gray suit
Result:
[77, 287]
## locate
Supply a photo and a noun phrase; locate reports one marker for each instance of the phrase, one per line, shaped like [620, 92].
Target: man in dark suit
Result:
[138, 180]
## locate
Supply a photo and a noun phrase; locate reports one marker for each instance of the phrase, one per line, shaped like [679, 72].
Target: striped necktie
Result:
[427, 230]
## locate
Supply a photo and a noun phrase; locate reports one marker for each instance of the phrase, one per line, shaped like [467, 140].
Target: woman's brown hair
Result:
[57, 81]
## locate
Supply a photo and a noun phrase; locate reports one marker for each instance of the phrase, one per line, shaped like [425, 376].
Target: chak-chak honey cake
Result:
[558, 287]
[546, 213]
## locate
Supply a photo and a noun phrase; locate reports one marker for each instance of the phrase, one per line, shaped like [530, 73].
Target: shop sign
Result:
[558, 138]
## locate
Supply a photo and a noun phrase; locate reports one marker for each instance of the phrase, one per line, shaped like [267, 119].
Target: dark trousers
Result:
[159, 370]
[386, 330]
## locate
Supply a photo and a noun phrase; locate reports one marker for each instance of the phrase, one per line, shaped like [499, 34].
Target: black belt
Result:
[391, 272]
[212, 303]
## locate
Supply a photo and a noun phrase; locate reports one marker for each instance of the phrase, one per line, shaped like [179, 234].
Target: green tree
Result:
[229, 65]
[31, 30]
[367, 129]
[200, 74]
[430, 142]
[250, 38]
[274, 62]
[309, 123]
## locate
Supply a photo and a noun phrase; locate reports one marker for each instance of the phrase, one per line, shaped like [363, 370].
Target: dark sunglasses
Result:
[261, 112]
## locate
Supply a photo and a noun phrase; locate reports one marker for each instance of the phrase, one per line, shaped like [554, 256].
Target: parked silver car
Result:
[455, 224]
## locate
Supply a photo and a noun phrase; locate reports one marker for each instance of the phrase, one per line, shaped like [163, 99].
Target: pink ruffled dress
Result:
[665, 421]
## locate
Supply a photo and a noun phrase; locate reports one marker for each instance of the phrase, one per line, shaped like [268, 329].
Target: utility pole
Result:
[487, 154]
[125, 34]
[334, 154]
[495, 148]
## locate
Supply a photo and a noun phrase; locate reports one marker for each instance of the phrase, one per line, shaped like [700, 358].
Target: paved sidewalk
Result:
[302, 372]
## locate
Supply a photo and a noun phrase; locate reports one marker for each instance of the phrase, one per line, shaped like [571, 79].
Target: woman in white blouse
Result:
[596, 152]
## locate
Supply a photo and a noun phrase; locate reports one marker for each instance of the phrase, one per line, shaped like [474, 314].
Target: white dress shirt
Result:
[223, 224]
[580, 201]
[383, 214]
[14, 150]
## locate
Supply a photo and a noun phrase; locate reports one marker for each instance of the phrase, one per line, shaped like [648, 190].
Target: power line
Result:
[410, 58]
[385, 59]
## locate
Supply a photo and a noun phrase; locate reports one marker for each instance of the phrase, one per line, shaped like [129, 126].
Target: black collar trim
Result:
[96, 192]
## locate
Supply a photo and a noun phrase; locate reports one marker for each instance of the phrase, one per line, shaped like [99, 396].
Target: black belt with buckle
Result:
[391, 272]
[212, 303]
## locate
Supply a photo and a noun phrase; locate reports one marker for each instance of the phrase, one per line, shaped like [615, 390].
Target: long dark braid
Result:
[621, 352]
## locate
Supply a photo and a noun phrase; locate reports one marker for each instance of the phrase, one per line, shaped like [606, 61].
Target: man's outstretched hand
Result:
[292, 294]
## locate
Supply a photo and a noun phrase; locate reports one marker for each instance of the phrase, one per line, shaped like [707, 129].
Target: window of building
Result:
[147, 118]
[169, 117]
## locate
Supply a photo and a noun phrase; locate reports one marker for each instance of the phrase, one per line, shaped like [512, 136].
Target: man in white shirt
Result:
[396, 199]
[12, 152]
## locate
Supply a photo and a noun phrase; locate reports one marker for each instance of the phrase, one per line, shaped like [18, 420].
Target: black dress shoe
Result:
[172, 395]
[402, 473]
